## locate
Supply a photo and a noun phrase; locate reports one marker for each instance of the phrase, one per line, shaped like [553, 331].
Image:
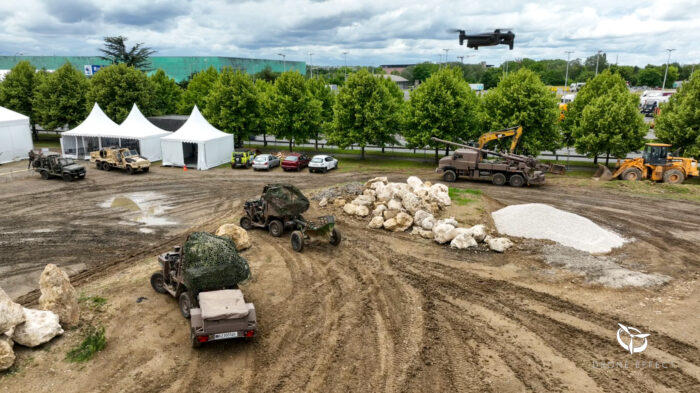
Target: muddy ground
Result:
[382, 312]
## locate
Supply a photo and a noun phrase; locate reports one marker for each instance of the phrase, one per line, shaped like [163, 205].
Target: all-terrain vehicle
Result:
[119, 157]
[53, 165]
[242, 159]
[204, 276]
[280, 207]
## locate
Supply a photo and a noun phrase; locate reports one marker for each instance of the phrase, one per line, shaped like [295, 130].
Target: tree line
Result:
[366, 110]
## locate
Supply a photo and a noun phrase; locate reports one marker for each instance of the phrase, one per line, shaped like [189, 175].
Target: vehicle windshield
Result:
[291, 158]
[317, 159]
[238, 155]
[131, 153]
[65, 161]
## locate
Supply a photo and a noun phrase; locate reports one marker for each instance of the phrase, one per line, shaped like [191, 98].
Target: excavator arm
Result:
[515, 132]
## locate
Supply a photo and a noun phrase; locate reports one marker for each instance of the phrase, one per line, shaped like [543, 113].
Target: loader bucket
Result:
[603, 173]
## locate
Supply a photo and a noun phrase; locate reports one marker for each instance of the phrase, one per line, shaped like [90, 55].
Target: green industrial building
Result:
[177, 67]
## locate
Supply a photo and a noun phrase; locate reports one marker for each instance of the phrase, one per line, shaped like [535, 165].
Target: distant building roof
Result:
[394, 78]
[396, 65]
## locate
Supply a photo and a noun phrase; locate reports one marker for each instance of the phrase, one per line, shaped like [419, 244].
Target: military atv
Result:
[280, 208]
[204, 276]
[122, 158]
[53, 165]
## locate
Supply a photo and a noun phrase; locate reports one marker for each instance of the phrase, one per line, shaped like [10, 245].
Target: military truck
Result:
[53, 165]
[119, 157]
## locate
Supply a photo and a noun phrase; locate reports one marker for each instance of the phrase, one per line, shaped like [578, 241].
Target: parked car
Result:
[295, 162]
[242, 159]
[265, 161]
[322, 163]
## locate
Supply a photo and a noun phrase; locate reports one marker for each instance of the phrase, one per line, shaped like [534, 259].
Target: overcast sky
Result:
[372, 32]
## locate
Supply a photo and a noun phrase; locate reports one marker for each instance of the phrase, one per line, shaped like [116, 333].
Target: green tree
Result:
[197, 90]
[322, 92]
[264, 90]
[116, 52]
[267, 74]
[522, 99]
[444, 106]
[491, 77]
[365, 112]
[679, 121]
[295, 113]
[421, 72]
[17, 90]
[233, 105]
[650, 76]
[60, 98]
[117, 88]
[166, 94]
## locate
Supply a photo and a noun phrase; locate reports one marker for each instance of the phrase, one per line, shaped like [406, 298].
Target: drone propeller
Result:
[453, 30]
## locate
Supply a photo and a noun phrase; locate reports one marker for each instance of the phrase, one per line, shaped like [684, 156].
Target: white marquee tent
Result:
[95, 131]
[197, 144]
[15, 136]
[136, 132]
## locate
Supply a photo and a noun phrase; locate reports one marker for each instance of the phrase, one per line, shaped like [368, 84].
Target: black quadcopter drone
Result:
[498, 37]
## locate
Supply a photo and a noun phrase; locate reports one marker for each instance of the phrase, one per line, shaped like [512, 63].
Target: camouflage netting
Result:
[212, 262]
[286, 199]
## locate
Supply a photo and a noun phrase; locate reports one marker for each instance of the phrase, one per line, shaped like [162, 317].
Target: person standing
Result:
[31, 159]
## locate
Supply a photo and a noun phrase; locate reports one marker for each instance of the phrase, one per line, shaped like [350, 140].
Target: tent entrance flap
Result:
[190, 154]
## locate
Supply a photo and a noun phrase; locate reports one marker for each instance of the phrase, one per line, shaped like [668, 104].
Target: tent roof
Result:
[96, 124]
[10, 115]
[137, 126]
[196, 129]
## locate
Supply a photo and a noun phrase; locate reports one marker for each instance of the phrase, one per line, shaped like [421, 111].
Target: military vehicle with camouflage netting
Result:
[280, 207]
[53, 165]
[204, 276]
[119, 157]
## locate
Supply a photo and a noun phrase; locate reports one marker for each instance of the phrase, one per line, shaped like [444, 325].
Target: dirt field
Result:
[382, 312]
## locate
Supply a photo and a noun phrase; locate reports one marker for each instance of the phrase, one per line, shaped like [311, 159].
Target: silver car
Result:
[265, 161]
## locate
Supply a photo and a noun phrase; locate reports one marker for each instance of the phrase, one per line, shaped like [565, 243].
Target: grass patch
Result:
[460, 196]
[330, 150]
[687, 191]
[94, 342]
[47, 140]
[355, 164]
[92, 302]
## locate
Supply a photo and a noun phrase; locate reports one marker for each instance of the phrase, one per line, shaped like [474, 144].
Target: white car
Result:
[322, 163]
[265, 161]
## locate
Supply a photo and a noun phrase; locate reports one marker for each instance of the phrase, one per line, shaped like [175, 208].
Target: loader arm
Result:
[515, 132]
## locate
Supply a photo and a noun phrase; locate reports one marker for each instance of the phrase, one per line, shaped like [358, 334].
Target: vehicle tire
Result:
[297, 241]
[98, 165]
[246, 223]
[129, 170]
[632, 174]
[158, 282]
[45, 175]
[193, 339]
[185, 304]
[516, 180]
[449, 176]
[145, 170]
[106, 166]
[67, 177]
[325, 169]
[276, 228]
[674, 176]
[498, 179]
[336, 165]
[335, 237]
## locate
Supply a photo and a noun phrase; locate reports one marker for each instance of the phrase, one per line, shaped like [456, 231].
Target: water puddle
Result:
[145, 209]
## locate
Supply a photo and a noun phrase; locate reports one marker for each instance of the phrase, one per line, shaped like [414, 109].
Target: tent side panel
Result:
[218, 151]
[15, 140]
[151, 148]
[172, 152]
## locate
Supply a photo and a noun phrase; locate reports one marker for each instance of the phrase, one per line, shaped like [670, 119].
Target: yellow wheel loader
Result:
[655, 164]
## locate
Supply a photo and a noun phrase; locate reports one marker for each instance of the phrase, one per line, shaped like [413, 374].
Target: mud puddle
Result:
[143, 209]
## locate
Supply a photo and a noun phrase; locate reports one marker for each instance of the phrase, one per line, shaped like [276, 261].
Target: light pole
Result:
[461, 59]
[345, 54]
[663, 86]
[311, 59]
[596, 61]
[568, 57]
[446, 50]
[284, 60]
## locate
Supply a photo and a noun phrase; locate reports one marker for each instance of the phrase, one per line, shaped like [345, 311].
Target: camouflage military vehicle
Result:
[122, 158]
[53, 165]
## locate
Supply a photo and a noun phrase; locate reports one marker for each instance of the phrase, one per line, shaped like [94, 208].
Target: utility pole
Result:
[597, 59]
[446, 50]
[663, 86]
[346, 65]
[506, 67]
[284, 60]
[311, 59]
[461, 59]
[568, 58]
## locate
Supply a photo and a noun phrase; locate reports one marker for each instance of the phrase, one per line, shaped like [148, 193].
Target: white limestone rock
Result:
[11, 313]
[444, 232]
[498, 244]
[38, 327]
[463, 241]
[237, 234]
[59, 296]
[376, 222]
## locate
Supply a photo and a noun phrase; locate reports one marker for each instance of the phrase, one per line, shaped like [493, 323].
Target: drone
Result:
[498, 37]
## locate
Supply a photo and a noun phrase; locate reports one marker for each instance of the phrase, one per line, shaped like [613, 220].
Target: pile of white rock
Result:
[29, 327]
[397, 207]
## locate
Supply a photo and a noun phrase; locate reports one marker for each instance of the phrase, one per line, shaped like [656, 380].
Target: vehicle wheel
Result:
[516, 180]
[158, 282]
[45, 175]
[129, 170]
[325, 169]
[297, 241]
[185, 305]
[106, 166]
[98, 165]
[674, 176]
[246, 223]
[336, 165]
[193, 339]
[233, 166]
[498, 179]
[632, 174]
[449, 176]
[276, 228]
[67, 177]
[335, 237]
[145, 170]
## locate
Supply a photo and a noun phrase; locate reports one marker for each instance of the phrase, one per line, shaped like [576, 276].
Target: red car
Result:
[295, 162]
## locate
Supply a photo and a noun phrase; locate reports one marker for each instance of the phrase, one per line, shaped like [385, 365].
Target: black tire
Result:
[276, 228]
[449, 176]
[233, 166]
[106, 166]
[335, 237]
[158, 282]
[246, 223]
[129, 170]
[185, 304]
[674, 176]
[146, 169]
[98, 165]
[45, 175]
[297, 241]
[516, 180]
[336, 165]
[498, 179]
[67, 177]
[632, 174]
[193, 339]
[325, 169]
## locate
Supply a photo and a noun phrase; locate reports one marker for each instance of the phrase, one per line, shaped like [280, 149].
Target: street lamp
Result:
[663, 86]
[345, 55]
[446, 50]
[461, 59]
[311, 59]
[596, 61]
[568, 57]
[284, 60]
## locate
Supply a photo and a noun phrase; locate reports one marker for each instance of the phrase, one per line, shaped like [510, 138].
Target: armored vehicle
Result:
[53, 165]
[122, 158]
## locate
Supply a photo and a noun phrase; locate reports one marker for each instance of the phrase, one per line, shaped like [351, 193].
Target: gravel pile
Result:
[540, 221]
[339, 191]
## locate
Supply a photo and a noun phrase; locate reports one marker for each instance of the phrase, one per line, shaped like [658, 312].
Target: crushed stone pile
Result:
[540, 221]
[354, 188]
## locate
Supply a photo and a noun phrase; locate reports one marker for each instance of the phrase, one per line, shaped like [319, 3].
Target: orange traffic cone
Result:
[184, 168]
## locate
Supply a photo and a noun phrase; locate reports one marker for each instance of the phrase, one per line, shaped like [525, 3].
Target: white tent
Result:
[96, 131]
[138, 133]
[197, 144]
[15, 136]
